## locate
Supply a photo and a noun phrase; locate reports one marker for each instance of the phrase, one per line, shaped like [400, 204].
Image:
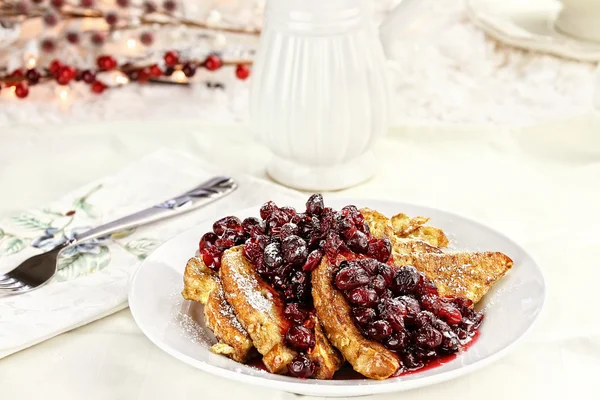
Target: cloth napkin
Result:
[93, 280]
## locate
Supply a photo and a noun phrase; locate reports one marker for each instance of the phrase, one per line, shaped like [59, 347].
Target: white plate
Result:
[177, 326]
[530, 25]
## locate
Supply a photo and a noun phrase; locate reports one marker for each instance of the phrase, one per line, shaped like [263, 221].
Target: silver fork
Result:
[38, 270]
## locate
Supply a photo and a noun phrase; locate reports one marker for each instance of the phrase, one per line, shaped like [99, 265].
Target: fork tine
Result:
[7, 279]
[15, 290]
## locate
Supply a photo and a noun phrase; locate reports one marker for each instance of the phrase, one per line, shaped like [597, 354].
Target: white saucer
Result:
[530, 25]
[177, 326]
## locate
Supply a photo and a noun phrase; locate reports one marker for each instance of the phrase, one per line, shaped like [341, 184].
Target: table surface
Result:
[537, 185]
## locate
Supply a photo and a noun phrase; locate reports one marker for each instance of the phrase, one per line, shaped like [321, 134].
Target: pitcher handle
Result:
[400, 20]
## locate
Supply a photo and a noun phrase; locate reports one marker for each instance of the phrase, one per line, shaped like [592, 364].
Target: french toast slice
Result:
[259, 310]
[367, 357]
[234, 341]
[456, 274]
[198, 281]
[468, 275]
[257, 306]
[202, 285]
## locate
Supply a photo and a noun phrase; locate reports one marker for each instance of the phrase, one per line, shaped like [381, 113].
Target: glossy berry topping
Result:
[301, 367]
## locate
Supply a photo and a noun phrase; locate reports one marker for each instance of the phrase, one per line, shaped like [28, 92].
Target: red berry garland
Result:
[64, 74]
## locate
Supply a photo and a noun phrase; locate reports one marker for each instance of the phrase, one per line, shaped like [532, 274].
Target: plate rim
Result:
[321, 388]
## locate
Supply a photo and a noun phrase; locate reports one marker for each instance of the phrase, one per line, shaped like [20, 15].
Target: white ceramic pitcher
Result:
[320, 95]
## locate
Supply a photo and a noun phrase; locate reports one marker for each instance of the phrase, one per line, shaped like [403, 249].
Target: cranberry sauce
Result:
[400, 308]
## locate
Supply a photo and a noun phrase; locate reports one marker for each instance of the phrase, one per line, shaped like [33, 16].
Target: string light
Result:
[63, 94]
[31, 62]
[131, 43]
[179, 76]
[121, 80]
[214, 17]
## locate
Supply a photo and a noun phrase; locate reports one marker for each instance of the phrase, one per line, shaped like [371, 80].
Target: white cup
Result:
[580, 18]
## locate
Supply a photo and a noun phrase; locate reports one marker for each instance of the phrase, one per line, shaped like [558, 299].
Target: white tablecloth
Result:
[539, 186]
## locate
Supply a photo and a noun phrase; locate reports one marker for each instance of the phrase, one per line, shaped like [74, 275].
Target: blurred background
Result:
[445, 62]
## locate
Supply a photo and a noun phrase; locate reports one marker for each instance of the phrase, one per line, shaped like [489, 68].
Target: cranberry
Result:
[358, 242]
[450, 314]
[171, 58]
[426, 287]
[147, 39]
[224, 244]
[301, 285]
[393, 311]
[275, 221]
[288, 229]
[450, 343]
[289, 211]
[231, 222]
[412, 308]
[267, 209]
[300, 338]
[397, 341]
[424, 318]
[272, 255]
[370, 265]
[379, 330]
[333, 245]
[380, 249]
[88, 76]
[427, 336]
[363, 315]
[378, 284]
[295, 312]
[461, 333]
[405, 280]
[301, 367]
[211, 258]
[313, 260]
[387, 272]
[410, 361]
[293, 250]
[432, 303]
[149, 7]
[350, 276]
[33, 76]
[252, 225]
[253, 253]
[111, 18]
[21, 90]
[170, 5]
[208, 240]
[261, 240]
[343, 223]
[363, 297]
[315, 205]
[213, 62]
[242, 71]
[354, 214]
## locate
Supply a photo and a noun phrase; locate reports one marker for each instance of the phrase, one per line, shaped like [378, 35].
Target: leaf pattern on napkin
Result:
[80, 263]
[141, 247]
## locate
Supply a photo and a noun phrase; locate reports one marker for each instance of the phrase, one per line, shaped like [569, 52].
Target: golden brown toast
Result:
[198, 281]
[468, 275]
[234, 341]
[259, 310]
[201, 284]
[367, 357]
[257, 306]
[459, 274]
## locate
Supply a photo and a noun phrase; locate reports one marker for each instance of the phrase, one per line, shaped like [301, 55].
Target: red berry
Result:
[22, 7]
[72, 37]
[155, 71]
[106, 63]
[350, 277]
[111, 18]
[301, 367]
[170, 5]
[450, 314]
[146, 38]
[149, 7]
[50, 19]
[48, 45]
[98, 39]
[300, 338]
[54, 67]
[98, 87]
[33, 76]
[65, 74]
[242, 71]
[295, 312]
[21, 90]
[313, 260]
[17, 73]
[171, 58]
[143, 75]
[213, 62]
[189, 70]
[123, 3]
[57, 3]
[88, 77]
[86, 3]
